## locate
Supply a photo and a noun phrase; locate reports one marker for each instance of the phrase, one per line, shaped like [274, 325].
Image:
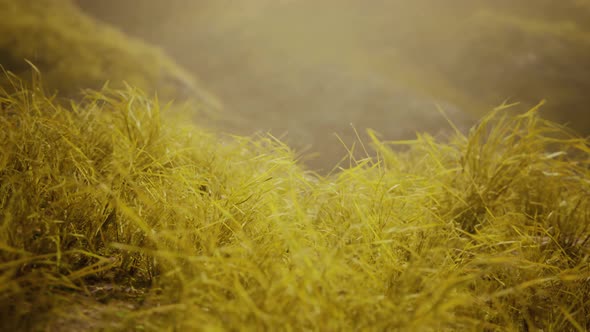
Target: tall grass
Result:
[117, 216]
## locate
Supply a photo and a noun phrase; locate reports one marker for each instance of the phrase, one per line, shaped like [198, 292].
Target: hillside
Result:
[75, 52]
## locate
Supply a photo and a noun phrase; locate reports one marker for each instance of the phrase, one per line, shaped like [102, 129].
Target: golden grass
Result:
[115, 216]
[75, 51]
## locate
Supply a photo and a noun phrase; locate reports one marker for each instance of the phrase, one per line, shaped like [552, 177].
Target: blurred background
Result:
[308, 70]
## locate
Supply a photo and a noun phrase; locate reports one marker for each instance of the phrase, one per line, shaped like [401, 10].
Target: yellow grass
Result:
[116, 216]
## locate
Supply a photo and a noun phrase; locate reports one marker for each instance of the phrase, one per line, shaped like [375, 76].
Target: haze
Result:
[310, 70]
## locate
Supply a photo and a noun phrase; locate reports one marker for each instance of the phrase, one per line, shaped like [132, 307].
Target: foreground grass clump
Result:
[116, 216]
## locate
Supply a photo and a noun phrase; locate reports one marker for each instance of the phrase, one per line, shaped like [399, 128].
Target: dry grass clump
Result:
[115, 216]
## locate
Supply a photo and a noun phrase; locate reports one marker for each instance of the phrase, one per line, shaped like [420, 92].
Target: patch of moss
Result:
[115, 216]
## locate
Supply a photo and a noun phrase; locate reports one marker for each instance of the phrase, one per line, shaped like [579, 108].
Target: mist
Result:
[316, 73]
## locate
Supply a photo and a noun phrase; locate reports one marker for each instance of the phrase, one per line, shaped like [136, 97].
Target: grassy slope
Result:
[115, 217]
[75, 52]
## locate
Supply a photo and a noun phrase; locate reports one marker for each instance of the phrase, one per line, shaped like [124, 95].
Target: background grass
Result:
[74, 52]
